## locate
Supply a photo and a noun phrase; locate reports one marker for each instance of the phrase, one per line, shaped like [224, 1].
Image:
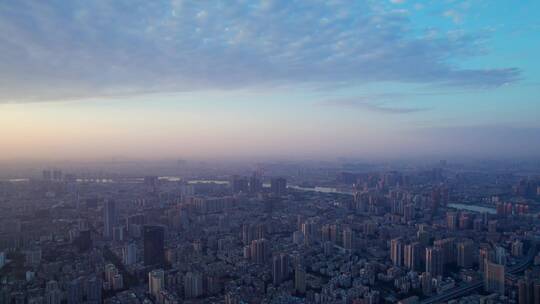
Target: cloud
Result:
[71, 49]
[375, 103]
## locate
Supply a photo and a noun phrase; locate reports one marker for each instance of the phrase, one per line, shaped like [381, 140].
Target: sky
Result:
[269, 79]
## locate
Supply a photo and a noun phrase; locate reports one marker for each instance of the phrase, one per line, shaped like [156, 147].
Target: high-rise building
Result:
[109, 218]
[451, 220]
[278, 186]
[53, 294]
[434, 261]
[57, 175]
[255, 184]
[348, 238]
[448, 249]
[280, 268]
[93, 294]
[517, 248]
[154, 247]
[74, 292]
[426, 282]
[526, 291]
[413, 256]
[118, 233]
[84, 241]
[494, 278]
[500, 255]
[110, 272]
[465, 254]
[259, 251]
[47, 175]
[193, 285]
[485, 255]
[117, 282]
[156, 282]
[300, 280]
[129, 253]
[396, 251]
[239, 184]
[424, 237]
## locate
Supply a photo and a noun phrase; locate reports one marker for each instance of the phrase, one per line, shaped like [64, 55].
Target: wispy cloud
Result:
[60, 49]
[375, 103]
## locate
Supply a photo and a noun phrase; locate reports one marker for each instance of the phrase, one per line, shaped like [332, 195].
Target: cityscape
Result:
[269, 151]
[274, 233]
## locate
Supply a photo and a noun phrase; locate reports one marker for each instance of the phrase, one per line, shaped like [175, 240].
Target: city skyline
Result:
[269, 79]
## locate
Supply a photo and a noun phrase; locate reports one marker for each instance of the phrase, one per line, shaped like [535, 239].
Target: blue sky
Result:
[269, 78]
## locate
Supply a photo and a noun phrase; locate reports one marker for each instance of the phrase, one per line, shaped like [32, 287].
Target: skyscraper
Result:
[109, 218]
[53, 294]
[278, 186]
[465, 254]
[426, 282]
[396, 251]
[300, 280]
[412, 256]
[94, 290]
[154, 250]
[451, 220]
[130, 254]
[259, 251]
[434, 261]
[348, 238]
[193, 285]
[280, 268]
[156, 281]
[255, 184]
[494, 278]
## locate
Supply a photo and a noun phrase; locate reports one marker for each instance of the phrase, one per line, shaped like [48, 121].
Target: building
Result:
[109, 218]
[278, 186]
[154, 247]
[396, 251]
[129, 253]
[156, 282]
[485, 255]
[93, 293]
[465, 254]
[193, 285]
[239, 184]
[434, 261]
[74, 292]
[84, 241]
[280, 268]
[348, 238]
[259, 251]
[426, 282]
[517, 248]
[117, 282]
[53, 294]
[500, 255]
[413, 256]
[448, 249]
[451, 220]
[494, 278]
[300, 280]
[255, 184]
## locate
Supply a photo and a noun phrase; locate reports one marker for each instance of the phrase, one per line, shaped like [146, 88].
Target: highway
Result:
[463, 290]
